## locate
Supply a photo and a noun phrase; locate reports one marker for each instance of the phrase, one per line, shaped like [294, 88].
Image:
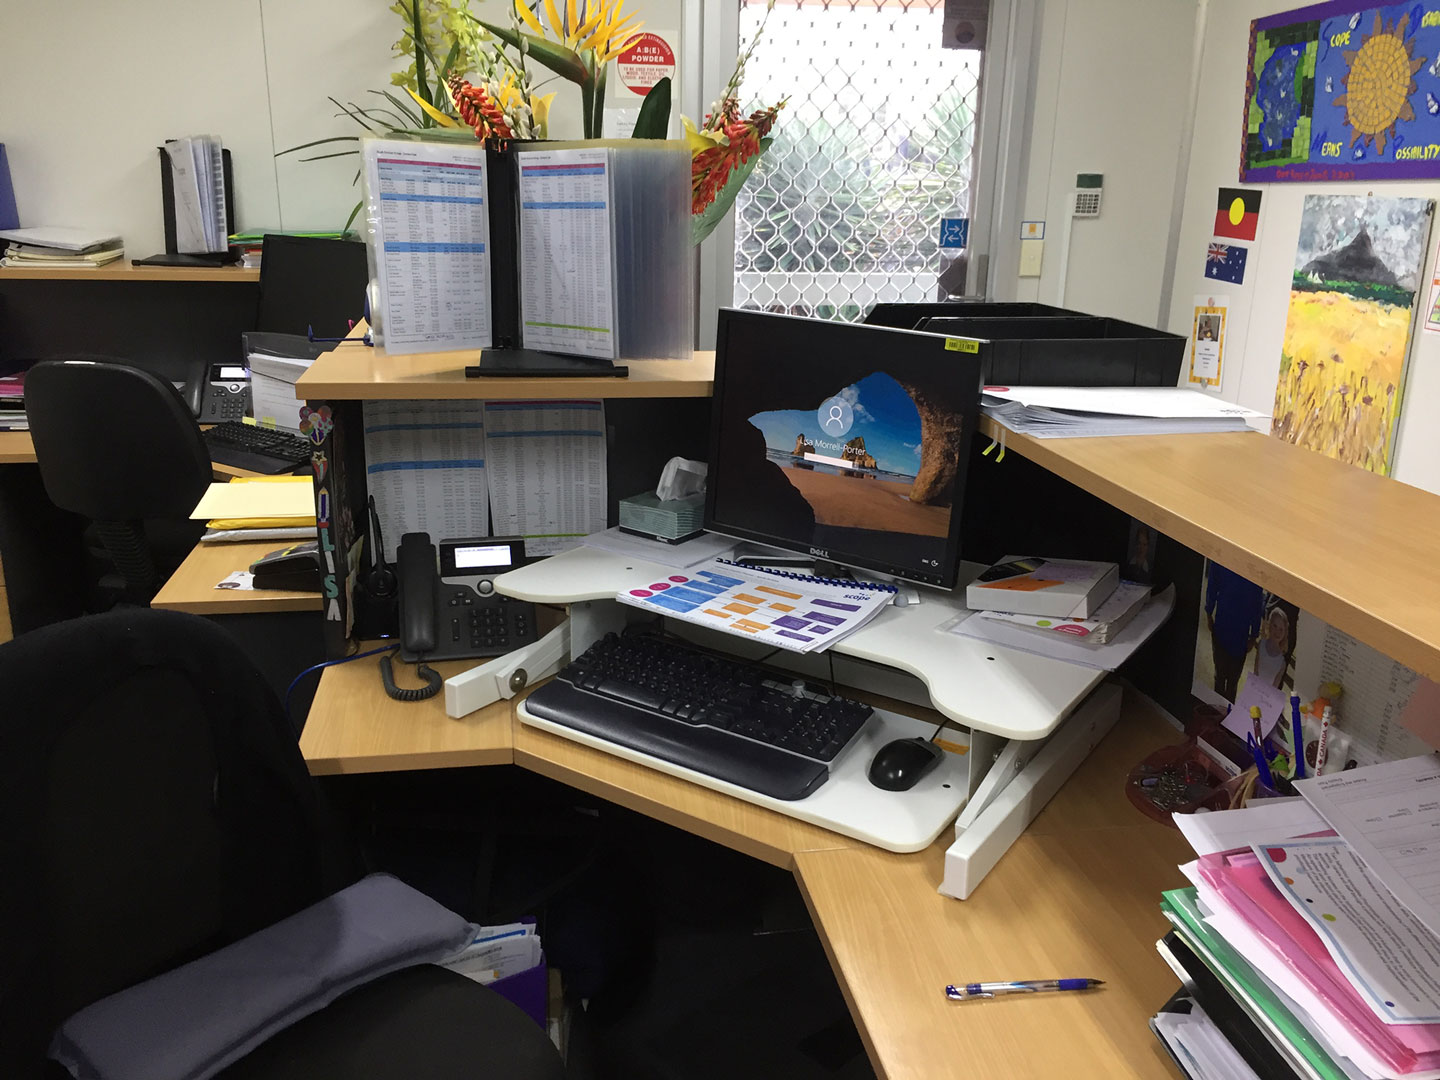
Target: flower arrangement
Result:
[470, 79]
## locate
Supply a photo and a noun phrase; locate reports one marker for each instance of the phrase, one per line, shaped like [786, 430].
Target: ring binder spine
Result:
[844, 583]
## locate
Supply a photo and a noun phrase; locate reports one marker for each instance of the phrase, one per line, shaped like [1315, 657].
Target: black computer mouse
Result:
[900, 765]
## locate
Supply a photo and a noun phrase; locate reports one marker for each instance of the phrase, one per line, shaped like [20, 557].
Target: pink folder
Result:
[1243, 884]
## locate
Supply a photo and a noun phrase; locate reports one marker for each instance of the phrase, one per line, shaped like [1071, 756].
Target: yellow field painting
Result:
[1342, 370]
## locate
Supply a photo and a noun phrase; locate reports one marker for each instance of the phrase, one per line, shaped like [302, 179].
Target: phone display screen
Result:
[486, 556]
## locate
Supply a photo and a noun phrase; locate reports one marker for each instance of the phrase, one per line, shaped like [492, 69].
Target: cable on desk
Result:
[433, 681]
[324, 664]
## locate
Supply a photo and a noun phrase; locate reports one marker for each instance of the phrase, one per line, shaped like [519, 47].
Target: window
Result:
[874, 147]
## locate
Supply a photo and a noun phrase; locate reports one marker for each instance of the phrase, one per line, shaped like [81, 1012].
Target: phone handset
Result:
[419, 589]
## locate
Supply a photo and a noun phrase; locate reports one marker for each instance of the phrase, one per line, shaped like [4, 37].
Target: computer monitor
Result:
[309, 282]
[843, 441]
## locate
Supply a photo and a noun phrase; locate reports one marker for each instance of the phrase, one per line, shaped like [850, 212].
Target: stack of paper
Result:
[1319, 916]
[12, 403]
[497, 952]
[1051, 412]
[197, 176]
[51, 247]
[259, 508]
[276, 362]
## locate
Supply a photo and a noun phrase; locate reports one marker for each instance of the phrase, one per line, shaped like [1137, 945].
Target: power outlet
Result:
[1031, 256]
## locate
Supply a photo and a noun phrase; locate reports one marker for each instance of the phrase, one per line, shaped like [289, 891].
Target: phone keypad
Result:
[486, 625]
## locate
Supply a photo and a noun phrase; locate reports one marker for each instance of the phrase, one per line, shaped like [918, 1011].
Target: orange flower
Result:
[711, 167]
[479, 110]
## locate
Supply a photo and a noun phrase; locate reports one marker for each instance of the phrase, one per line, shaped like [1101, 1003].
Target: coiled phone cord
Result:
[432, 678]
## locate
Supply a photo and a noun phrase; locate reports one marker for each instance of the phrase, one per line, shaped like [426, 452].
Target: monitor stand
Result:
[534, 364]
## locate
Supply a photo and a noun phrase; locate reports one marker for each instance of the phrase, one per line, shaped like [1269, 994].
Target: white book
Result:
[1059, 588]
[63, 237]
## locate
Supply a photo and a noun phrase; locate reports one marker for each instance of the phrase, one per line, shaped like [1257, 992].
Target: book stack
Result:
[52, 248]
[12, 403]
[1307, 944]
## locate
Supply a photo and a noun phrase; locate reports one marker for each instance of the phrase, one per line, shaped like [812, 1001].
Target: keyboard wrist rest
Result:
[765, 769]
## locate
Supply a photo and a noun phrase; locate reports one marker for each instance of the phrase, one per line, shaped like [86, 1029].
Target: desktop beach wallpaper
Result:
[856, 458]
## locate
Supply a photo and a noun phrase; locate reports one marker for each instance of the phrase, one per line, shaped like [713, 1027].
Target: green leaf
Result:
[353, 215]
[406, 110]
[704, 223]
[434, 134]
[417, 34]
[564, 62]
[317, 142]
[597, 123]
[322, 157]
[654, 119]
[449, 63]
[357, 119]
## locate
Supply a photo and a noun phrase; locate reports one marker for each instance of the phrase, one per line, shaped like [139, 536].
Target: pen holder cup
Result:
[1179, 779]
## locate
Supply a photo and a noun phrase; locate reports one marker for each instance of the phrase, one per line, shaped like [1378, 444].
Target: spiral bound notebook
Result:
[790, 611]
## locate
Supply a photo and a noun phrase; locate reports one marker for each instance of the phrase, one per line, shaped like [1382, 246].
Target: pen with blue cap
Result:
[968, 991]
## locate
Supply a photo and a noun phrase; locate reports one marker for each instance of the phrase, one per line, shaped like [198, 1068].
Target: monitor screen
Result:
[307, 282]
[843, 441]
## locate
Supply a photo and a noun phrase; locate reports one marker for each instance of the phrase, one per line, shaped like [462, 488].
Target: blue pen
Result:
[1299, 737]
[968, 991]
[1261, 767]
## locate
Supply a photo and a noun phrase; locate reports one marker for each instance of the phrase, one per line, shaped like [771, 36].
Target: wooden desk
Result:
[1344, 544]
[357, 373]
[126, 271]
[192, 587]
[355, 727]
[1077, 895]
[18, 448]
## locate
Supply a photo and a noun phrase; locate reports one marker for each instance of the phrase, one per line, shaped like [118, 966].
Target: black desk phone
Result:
[455, 613]
[217, 392]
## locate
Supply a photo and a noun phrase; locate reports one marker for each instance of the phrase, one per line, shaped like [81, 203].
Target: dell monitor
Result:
[846, 442]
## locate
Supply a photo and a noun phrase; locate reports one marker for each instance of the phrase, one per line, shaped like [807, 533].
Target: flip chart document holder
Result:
[172, 256]
[507, 358]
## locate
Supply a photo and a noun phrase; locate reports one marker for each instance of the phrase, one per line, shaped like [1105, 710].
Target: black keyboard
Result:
[739, 722]
[257, 449]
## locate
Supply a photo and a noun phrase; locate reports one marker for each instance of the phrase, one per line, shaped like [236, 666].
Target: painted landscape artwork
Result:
[1347, 335]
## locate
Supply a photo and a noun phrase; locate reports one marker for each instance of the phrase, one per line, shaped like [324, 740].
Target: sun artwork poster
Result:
[1358, 264]
[1341, 91]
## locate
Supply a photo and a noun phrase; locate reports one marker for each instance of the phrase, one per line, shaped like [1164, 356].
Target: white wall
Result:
[1111, 80]
[89, 88]
[1258, 307]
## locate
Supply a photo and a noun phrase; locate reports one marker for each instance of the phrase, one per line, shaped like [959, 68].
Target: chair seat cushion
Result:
[423, 1023]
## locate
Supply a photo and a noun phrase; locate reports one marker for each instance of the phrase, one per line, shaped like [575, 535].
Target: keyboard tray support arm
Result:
[507, 675]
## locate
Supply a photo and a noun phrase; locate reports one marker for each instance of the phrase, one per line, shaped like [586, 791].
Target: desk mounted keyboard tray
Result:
[847, 803]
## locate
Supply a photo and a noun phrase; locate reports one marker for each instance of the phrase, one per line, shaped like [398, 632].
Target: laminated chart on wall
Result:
[425, 466]
[429, 242]
[567, 293]
[547, 471]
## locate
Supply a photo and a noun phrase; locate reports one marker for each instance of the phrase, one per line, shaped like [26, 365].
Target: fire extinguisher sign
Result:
[649, 59]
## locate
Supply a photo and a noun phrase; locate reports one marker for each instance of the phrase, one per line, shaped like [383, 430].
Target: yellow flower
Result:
[700, 141]
[540, 106]
[596, 25]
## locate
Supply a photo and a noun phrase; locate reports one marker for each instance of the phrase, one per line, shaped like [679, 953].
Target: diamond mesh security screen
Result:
[872, 150]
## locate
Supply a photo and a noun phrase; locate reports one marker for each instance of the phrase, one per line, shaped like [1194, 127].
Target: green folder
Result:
[1248, 988]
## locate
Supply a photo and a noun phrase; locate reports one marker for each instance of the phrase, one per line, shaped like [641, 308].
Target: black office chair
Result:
[153, 808]
[119, 446]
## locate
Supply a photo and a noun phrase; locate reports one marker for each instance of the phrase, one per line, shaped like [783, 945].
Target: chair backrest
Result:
[153, 807]
[114, 443]
[309, 282]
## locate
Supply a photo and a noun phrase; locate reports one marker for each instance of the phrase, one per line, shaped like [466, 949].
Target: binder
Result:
[172, 255]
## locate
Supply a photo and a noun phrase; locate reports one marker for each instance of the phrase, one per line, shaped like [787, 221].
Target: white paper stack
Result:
[197, 176]
[1054, 412]
[59, 246]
